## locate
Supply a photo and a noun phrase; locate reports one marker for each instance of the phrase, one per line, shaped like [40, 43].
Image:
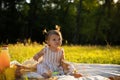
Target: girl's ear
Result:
[47, 42]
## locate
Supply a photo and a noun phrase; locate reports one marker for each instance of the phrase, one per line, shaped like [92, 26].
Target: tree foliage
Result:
[81, 21]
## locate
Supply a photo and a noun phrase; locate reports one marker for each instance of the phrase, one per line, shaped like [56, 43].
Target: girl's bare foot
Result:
[46, 75]
[77, 75]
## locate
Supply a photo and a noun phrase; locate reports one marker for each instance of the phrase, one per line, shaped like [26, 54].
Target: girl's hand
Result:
[36, 57]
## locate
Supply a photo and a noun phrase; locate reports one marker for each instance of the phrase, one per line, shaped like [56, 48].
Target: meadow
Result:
[73, 53]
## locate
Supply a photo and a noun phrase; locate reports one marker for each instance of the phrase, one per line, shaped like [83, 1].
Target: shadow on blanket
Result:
[114, 78]
[69, 69]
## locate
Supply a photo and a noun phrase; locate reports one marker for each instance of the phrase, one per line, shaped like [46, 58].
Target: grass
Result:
[93, 54]
[79, 54]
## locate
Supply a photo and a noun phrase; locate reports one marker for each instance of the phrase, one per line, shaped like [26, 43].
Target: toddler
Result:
[51, 55]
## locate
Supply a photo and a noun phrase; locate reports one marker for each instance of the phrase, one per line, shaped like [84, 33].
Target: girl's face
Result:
[54, 41]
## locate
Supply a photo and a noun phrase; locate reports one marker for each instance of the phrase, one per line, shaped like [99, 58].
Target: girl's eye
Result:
[54, 39]
[59, 39]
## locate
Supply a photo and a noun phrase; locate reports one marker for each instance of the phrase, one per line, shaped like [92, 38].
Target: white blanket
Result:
[89, 71]
[67, 77]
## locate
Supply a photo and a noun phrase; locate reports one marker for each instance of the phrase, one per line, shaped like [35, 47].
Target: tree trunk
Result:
[78, 22]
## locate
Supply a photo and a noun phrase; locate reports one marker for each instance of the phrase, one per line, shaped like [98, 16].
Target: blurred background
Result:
[80, 21]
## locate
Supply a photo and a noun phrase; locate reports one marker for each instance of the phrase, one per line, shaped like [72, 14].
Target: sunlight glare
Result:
[28, 1]
[115, 1]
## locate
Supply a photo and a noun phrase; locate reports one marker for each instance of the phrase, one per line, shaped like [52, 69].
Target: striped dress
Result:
[50, 61]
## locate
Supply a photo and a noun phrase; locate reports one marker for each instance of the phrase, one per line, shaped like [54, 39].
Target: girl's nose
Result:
[57, 40]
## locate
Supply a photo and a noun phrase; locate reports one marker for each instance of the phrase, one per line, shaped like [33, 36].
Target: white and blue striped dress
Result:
[50, 61]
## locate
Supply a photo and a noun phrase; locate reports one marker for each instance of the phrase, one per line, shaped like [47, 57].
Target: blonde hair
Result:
[53, 32]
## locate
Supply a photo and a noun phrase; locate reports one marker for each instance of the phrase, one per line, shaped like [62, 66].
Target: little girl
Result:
[52, 55]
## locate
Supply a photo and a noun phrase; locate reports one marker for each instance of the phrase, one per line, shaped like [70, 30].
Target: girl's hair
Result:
[53, 32]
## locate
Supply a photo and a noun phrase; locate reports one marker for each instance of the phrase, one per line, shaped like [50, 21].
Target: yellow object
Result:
[10, 73]
[2, 76]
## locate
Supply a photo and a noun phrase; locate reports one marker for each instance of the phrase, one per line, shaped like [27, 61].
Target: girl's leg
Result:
[47, 74]
[44, 70]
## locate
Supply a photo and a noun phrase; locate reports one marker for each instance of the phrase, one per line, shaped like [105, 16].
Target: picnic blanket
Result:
[89, 72]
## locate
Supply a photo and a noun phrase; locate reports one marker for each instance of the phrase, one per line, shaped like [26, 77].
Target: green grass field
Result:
[79, 54]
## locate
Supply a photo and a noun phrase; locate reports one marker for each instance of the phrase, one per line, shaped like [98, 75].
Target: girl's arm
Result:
[62, 57]
[38, 55]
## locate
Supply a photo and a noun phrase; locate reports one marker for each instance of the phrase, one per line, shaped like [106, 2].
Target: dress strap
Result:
[45, 49]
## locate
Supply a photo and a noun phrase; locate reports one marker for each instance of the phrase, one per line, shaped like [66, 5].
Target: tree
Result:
[78, 22]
